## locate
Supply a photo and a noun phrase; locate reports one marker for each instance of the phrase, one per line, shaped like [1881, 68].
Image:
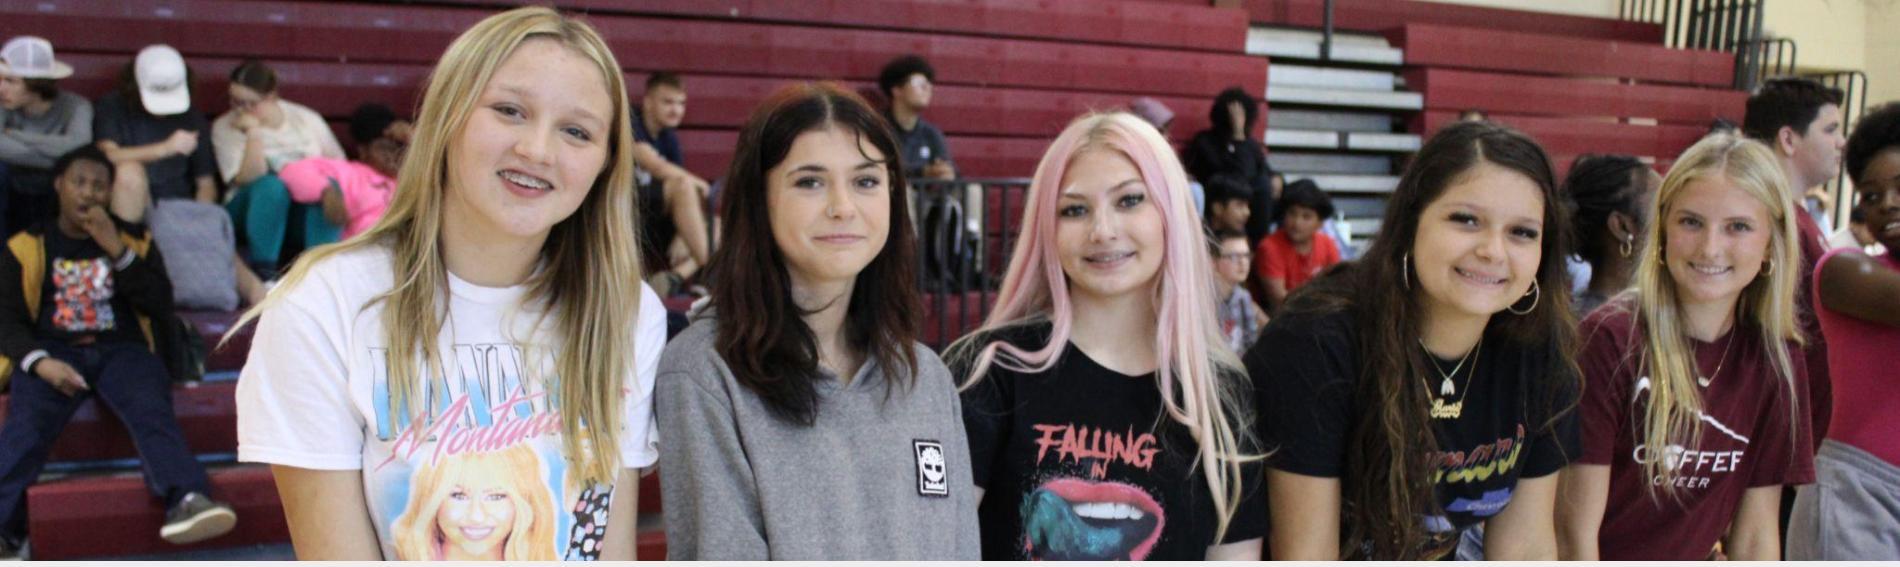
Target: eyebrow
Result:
[817, 168]
[1070, 192]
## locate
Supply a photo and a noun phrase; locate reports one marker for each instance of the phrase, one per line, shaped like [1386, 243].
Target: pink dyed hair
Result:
[1196, 370]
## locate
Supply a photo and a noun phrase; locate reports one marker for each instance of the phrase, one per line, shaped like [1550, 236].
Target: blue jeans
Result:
[130, 381]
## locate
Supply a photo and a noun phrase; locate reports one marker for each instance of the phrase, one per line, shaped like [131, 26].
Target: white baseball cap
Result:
[31, 57]
[160, 72]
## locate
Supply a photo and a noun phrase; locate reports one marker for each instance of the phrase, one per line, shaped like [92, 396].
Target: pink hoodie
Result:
[366, 192]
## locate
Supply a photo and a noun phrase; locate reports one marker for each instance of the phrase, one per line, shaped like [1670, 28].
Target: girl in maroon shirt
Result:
[1691, 380]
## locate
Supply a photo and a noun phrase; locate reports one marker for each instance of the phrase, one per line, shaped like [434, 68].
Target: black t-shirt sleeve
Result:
[203, 162]
[107, 116]
[1250, 519]
[987, 407]
[1552, 417]
[1302, 368]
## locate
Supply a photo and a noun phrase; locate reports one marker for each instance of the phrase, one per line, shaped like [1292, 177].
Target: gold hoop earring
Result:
[1536, 294]
[1771, 268]
[1628, 245]
[1405, 270]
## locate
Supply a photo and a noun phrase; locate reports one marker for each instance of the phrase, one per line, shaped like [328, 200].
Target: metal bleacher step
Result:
[1317, 163]
[1338, 97]
[1305, 44]
[1330, 77]
[1352, 141]
[1343, 183]
[1330, 119]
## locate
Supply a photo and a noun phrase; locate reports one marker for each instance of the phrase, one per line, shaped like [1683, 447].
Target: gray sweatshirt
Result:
[874, 478]
[37, 141]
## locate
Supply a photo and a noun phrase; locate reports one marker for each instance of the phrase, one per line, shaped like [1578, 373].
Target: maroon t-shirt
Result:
[1820, 388]
[1745, 442]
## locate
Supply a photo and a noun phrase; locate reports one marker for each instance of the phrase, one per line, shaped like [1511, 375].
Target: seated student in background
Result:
[78, 294]
[354, 194]
[164, 166]
[800, 417]
[1228, 199]
[260, 135]
[1690, 413]
[908, 82]
[1426, 390]
[1161, 117]
[1228, 146]
[38, 124]
[1297, 251]
[1240, 317]
[507, 262]
[1848, 512]
[672, 201]
[1611, 196]
[1102, 336]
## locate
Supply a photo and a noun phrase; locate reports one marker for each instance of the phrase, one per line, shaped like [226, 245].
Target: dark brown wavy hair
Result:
[762, 334]
[1388, 480]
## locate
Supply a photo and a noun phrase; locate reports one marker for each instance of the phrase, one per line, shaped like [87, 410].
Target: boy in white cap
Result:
[149, 122]
[38, 123]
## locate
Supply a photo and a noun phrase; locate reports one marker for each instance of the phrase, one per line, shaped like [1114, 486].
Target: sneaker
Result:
[11, 550]
[196, 518]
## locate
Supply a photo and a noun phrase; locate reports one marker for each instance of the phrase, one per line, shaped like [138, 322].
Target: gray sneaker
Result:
[196, 518]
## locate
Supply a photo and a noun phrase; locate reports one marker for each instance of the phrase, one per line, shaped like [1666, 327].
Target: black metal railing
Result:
[1732, 26]
[966, 230]
[1769, 58]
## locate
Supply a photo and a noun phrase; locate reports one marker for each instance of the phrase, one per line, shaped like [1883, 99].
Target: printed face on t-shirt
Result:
[1479, 244]
[533, 145]
[1109, 234]
[1715, 240]
[829, 203]
[478, 516]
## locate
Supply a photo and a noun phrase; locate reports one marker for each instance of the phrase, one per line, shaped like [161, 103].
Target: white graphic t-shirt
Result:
[484, 474]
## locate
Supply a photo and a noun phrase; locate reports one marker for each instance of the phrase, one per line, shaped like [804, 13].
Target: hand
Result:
[939, 169]
[99, 225]
[400, 130]
[61, 376]
[182, 142]
[688, 182]
[1820, 194]
[244, 122]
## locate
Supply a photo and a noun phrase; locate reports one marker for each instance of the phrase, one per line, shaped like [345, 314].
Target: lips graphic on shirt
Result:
[1072, 519]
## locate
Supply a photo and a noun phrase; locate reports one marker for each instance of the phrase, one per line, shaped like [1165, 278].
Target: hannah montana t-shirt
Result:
[482, 472]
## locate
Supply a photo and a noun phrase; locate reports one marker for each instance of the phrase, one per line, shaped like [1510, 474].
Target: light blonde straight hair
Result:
[1766, 305]
[590, 277]
[1199, 377]
[418, 533]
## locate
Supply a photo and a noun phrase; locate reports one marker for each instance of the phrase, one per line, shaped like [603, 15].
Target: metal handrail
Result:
[963, 247]
[1732, 26]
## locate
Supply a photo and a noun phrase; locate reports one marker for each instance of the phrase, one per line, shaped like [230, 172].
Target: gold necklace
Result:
[1442, 409]
[1704, 381]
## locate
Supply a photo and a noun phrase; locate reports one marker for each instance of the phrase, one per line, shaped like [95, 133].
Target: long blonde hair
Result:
[530, 537]
[1198, 375]
[1766, 304]
[591, 262]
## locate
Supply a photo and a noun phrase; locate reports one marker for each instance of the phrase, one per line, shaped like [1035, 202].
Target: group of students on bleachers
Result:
[483, 372]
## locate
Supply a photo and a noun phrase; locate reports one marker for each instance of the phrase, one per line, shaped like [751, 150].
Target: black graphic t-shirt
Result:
[77, 296]
[1081, 462]
[1306, 366]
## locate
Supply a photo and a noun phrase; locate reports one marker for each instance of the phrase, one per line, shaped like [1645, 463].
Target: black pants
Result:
[131, 382]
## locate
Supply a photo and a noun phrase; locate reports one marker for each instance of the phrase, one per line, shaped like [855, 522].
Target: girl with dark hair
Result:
[255, 140]
[1611, 194]
[1857, 470]
[802, 419]
[1426, 388]
[1228, 146]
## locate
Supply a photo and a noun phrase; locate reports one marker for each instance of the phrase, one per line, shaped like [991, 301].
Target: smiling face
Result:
[532, 146]
[1108, 227]
[1715, 240]
[1879, 187]
[477, 516]
[1479, 244]
[830, 206]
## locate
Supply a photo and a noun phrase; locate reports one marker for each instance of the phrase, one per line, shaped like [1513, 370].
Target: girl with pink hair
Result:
[1104, 410]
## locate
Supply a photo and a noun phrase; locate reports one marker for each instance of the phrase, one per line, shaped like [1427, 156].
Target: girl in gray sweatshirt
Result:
[800, 419]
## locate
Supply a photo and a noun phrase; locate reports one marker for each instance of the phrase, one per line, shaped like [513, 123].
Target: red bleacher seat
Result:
[211, 327]
[106, 516]
[1494, 50]
[949, 316]
[1455, 90]
[207, 415]
[1380, 15]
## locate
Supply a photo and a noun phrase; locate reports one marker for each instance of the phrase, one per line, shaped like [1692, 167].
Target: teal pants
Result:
[268, 220]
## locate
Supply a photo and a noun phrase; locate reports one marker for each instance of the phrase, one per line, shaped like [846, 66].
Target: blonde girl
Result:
[498, 497]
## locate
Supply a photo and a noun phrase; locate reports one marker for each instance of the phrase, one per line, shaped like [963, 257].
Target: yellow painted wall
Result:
[1831, 34]
[1883, 51]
